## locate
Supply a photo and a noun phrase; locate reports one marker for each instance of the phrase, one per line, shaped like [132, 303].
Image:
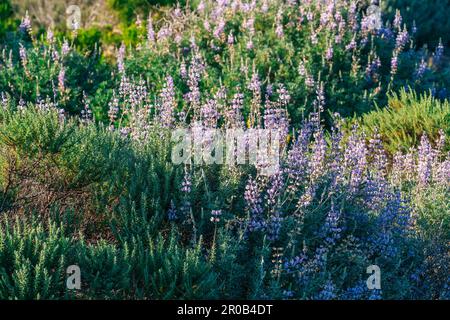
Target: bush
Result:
[96, 186]
[406, 118]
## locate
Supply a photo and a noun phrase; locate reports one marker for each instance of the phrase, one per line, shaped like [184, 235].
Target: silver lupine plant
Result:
[337, 202]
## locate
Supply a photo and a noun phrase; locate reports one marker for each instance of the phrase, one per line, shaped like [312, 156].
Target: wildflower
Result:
[61, 79]
[172, 212]
[25, 25]
[249, 44]
[328, 291]
[183, 70]
[215, 215]
[167, 103]
[61, 115]
[65, 49]
[113, 109]
[421, 69]
[254, 205]
[120, 59]
[424, 160]
[329, 54]
[302, 69]
[394, 65]
[150, 30]
[255, 84]
[439, 52]
[164, 33]
[351, 45]
[201, 6]
[230, 39]
[372, 69]
[402, 39]
[398, 20]
[23, 55]
[50, 36]
[278, 25]
[219, 28]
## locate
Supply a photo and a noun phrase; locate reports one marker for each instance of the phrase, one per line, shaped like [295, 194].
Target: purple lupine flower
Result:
[255, 83]
[314, 39]
[402, 40]
[168, 103]
[150, 30]
[215, 215]
[61, 115]
[233, 114]
[50, 36]
[65, 49]
[113, 109]
[394, 64]
[351, 45]
[220, 27]
[253, 202]
[22, 104]
[317, 161]
[249, 44]
[283, 95]
[86, 113]
[423, 67]
[23, 55]
[439, 52]
[398, 20]
[309, 82]
[265, 6]
[124, 132]
[61, 79]
[277, 119]
[331, 229]
[328, 291]
[201, 6]
[164, 33]
[25, 25]
[355, 160]
[372, 69]
[279, 25]
[183, 70]
[319, 104]
[4, 101]
[230, 38]
[210, 114]
[120, 59]
[172, 212]
[275, 189]
[302, 69]
[194, 76]
[274, 226]
[186, 188]
[414, 28]
[425, 159]
[249, 25]
[329, 53]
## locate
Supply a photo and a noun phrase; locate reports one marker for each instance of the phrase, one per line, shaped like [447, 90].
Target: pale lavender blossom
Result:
[168, 103]
[424, 161]
[150, 30]
[61, 79]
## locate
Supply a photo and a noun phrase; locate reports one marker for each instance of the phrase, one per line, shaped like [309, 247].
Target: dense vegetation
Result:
[86, 176]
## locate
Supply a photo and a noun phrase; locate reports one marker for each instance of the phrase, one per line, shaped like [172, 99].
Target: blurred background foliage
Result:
[431, 18]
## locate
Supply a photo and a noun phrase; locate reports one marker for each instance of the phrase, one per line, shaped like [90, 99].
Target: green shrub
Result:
[33, 260]
[405, 119]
